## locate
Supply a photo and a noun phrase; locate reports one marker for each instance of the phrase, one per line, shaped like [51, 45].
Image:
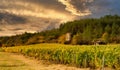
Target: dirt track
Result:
[10, 61]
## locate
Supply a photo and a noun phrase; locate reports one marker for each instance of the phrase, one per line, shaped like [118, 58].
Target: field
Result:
[83, 56]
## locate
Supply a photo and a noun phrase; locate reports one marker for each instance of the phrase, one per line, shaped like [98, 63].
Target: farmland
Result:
[83, 56]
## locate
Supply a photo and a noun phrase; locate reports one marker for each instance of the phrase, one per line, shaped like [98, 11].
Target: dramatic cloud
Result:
[73, 9]
[6, 18]
[19, 16]
[31, 9]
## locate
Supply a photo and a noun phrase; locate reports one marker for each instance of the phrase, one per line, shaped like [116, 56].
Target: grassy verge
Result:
[81, 56]
[8, 62]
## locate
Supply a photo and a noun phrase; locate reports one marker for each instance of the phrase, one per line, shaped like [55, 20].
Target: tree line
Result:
[84, 31]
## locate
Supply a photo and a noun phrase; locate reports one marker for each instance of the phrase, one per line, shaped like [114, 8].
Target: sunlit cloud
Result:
[28, 9]
[71, 8]
[39, 15]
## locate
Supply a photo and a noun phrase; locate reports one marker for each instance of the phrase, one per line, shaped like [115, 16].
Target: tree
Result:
[105, 37]
[108, 29]
[87, 34]
[77, 39]
[61, 39]
[0, 44]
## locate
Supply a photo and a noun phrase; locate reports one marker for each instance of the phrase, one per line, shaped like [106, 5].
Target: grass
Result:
[83, 56]
[7, 62]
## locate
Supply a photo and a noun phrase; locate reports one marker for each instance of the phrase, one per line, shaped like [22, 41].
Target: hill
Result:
[85, 31]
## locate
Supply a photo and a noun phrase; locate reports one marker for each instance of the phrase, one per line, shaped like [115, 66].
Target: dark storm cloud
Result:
[1, 30]
[6, 18]
[53, 4]
[70, 7]
[38, 15]
[75, 7]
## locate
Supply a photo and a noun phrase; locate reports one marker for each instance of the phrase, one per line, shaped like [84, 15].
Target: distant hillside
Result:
[86, 31]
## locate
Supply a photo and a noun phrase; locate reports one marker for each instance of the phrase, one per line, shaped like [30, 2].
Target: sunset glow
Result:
[19, 16]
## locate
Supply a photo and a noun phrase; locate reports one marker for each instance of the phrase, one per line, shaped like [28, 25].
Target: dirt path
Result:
[10, 61]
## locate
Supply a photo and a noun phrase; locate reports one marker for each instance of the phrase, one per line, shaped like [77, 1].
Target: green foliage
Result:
[77, 39]
[94, 29]
[61, 39]
[106, 28]
[105, 37]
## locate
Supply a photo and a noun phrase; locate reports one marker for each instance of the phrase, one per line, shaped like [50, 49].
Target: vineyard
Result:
[91, 56]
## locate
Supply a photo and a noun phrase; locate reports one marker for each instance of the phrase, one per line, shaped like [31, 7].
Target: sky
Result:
[19, 16]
